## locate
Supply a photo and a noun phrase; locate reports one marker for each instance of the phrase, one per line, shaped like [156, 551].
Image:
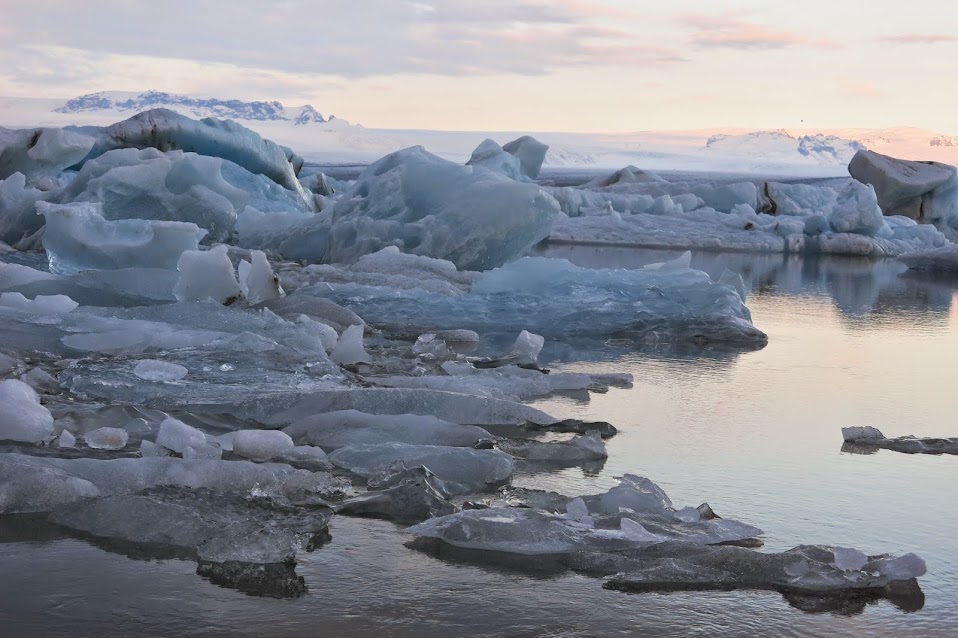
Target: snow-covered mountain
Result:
[826, 149]
[333, 140]
[123, 103]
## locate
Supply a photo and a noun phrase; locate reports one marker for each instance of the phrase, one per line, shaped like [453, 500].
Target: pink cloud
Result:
[919, 38]
[729, 30]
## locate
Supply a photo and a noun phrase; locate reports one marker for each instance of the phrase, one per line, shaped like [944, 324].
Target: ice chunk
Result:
[478, 470]
[901, 568]
[18, 205]
[868, 439]
[166, 130]
[77, 237]
[261, 445]
[42, 304]
[580, 449]
[862, 433]
[628, 175]
[453, 407]
[349, 427]
[176, 435]
[15, 275]
[900, 185]
[207, 274]
[257, 279]
[527, 347]
[349, 349]
[554, 298]
[530, 152]
[849, 559]
[36, 484]
[490, 156]
[66, 439]
[41, 152]
[425, 205]
[107, 438]
[22, 418]
[40, 380]
[151, 449]
[154, 370]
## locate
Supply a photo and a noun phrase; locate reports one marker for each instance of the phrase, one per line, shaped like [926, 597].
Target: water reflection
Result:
[865, 291]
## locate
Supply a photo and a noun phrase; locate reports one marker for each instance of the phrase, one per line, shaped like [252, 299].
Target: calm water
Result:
[757, 435]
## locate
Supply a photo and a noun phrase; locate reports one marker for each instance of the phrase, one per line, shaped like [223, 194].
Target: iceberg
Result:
[77, 237]
[207, 275]
[421, 204]
[905, 187]
[553, 298]
[177, 186]
[942, 259]
[166, 130]
[520, 160]
[18, 209]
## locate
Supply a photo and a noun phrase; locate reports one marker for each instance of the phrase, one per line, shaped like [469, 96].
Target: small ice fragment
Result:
[226, 441]
[106, 438]
[151, 449]
[349, 349]
[153, 370]
[261, 445]
[66, 439]
[176, 435]
[207, 274]
[635, 531]
[257, 279]
[527, 347]
[849, 560]
[901, 568]
[22, 418]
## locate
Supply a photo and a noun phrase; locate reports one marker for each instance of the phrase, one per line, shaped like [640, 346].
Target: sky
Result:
[542, 65]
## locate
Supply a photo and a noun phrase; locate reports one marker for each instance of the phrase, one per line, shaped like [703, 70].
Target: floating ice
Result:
[207, 274]
[582, 448]
[154, 370]
[40, 380]
[42, 304]
[530, 152]
[261, 445]
[107, 438]
[22, 418]
[334, 430]
[77, 237]
[478, 470]
[868, 439]
[554, 298]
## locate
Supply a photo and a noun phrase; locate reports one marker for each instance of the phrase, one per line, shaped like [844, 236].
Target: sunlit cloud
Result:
[919, 38]
[730, 30]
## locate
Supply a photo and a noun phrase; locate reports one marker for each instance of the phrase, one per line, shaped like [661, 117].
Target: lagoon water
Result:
[755, 434]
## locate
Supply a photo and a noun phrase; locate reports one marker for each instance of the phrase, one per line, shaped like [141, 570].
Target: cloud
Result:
[862, 90]
[350, 40]
[731, 31]
[919, 38]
